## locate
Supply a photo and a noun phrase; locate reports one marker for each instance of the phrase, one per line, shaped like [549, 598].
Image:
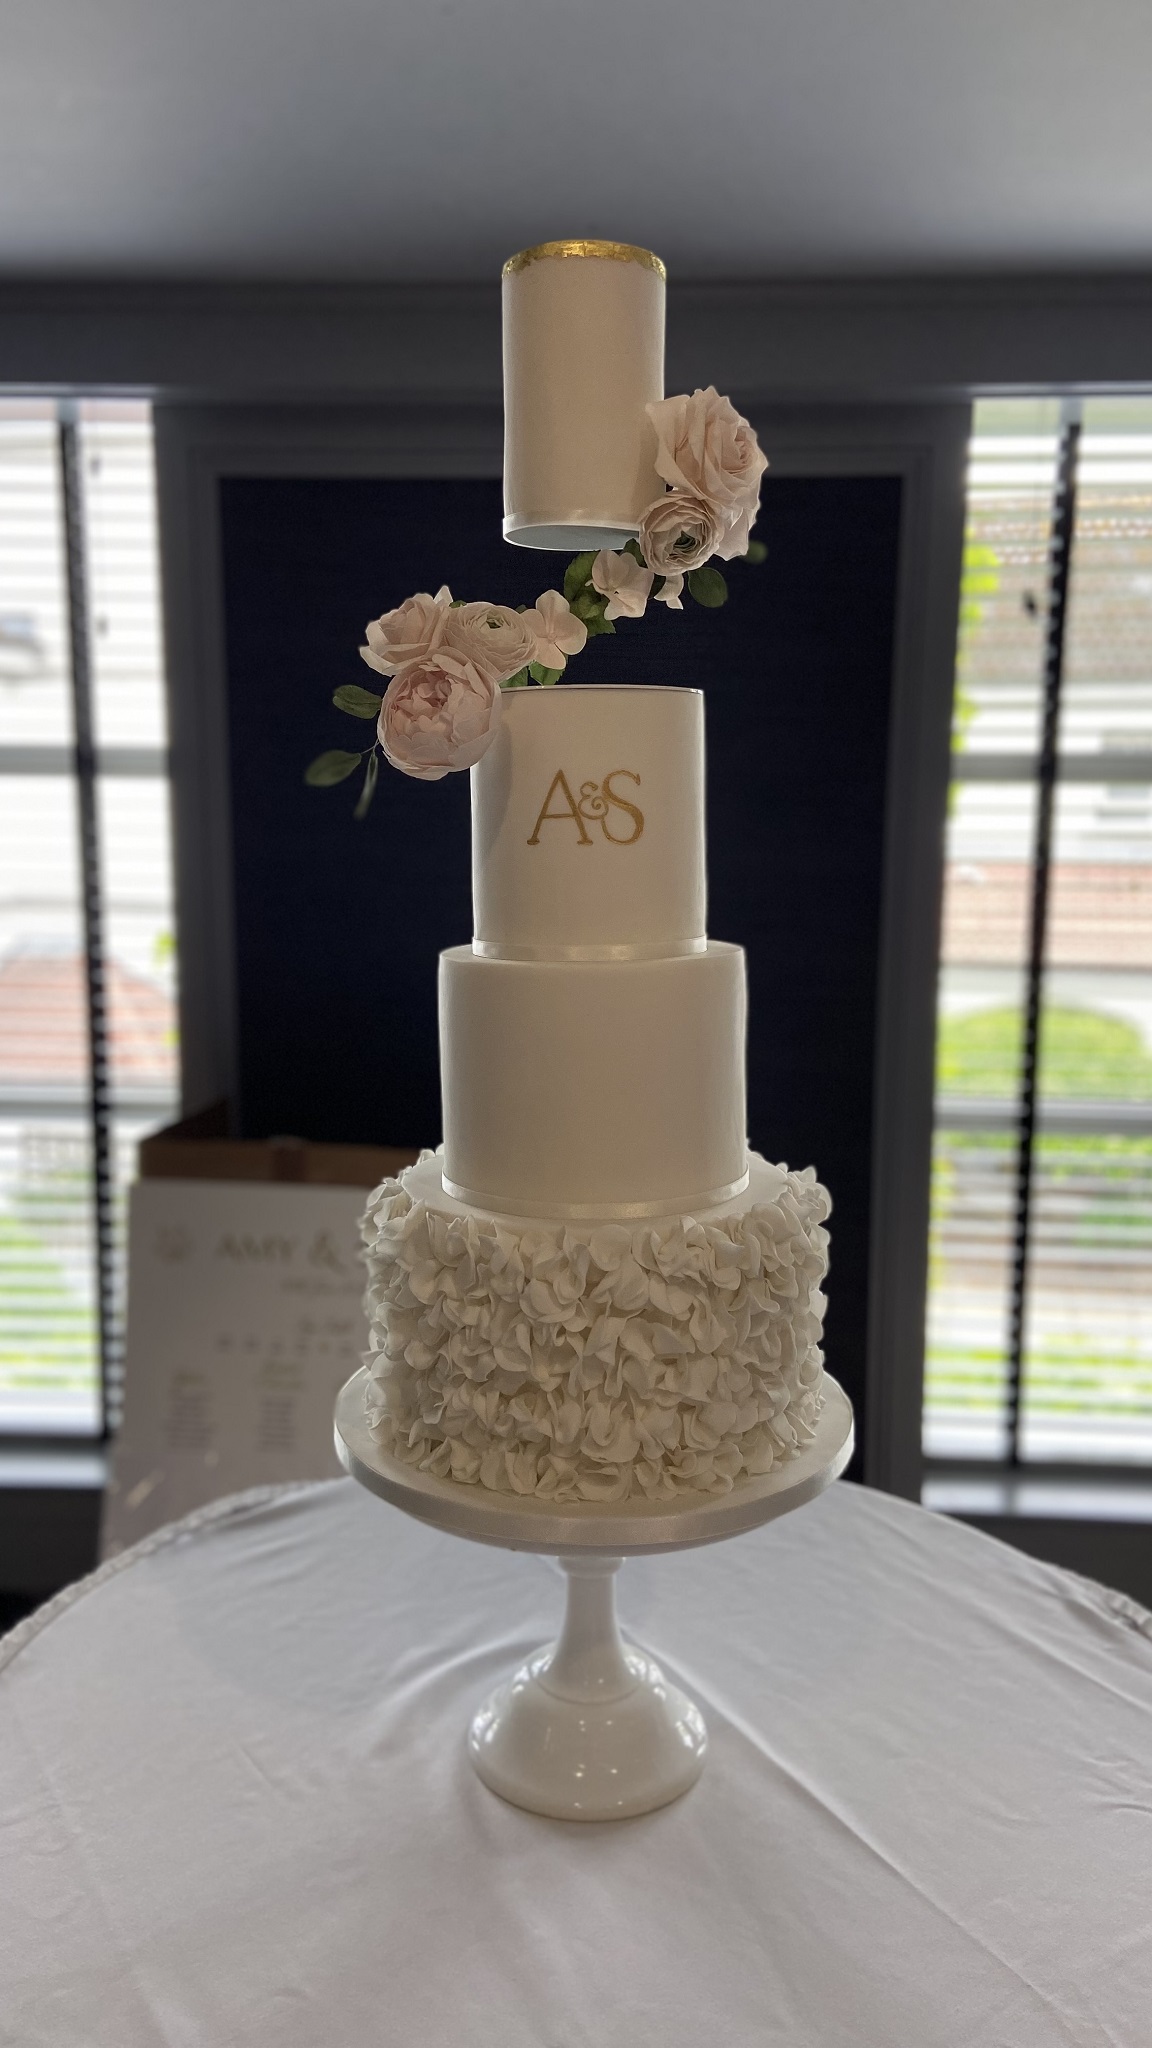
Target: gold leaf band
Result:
[614, 252]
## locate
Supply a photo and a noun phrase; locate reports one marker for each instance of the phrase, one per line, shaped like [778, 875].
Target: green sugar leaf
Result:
[517, 682]
[708, 586]
[369, 790]
[357, 702]
[544, 676]
[755, 551]
[334, 766]
[577, 573]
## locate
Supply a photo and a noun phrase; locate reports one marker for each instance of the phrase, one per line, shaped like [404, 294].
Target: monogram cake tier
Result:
[588, 826]
[594, 1291]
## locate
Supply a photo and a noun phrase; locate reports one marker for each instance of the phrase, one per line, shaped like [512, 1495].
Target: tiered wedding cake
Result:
[593, 1291]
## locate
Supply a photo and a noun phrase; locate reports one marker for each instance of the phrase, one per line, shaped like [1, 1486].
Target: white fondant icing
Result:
[588, 825]
[597, 1360]
[593, 1083]
[583, 357]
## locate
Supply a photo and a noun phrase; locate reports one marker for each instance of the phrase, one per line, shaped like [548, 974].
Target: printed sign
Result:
[244, 1319]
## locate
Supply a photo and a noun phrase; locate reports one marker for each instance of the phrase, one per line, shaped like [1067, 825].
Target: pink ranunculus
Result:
[408, 633]
[439, 714]
[680, 531]
[705, 445]
[624, 582]
[495, 639]
[559, 633]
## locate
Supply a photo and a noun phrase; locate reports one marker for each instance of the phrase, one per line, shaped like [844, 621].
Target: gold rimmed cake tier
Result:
[612, 252]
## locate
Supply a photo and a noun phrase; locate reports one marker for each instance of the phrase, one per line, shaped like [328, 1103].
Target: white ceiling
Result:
[417, 139]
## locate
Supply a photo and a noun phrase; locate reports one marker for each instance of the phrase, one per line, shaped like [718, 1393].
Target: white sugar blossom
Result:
[624, 581]
[559, 633]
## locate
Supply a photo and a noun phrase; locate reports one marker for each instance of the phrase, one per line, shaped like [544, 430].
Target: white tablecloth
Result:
[235, 1806]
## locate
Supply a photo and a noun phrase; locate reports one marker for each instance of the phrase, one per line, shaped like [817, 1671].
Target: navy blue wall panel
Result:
[338, 924]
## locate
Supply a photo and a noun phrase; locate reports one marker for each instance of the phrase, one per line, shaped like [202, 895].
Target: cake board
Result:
[589, 1728]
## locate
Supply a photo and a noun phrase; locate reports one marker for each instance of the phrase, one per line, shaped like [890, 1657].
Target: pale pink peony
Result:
[680, 531]
[705, 445]
[408, 633]
[559, 633]
[624, 582]
[438, 714]
[495, 639]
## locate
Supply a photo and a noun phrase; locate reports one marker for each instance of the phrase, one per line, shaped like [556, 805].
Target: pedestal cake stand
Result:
[589, 1728]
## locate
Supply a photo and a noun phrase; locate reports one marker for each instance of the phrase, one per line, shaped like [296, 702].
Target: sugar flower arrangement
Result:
[447, 662]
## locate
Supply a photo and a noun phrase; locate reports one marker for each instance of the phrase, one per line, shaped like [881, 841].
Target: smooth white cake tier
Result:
[588, 825]
[590, 1087]
[596, 1360]
[583, 357]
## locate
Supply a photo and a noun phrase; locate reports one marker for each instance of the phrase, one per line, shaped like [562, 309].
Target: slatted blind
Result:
[66, 1151]
[1068, 1380]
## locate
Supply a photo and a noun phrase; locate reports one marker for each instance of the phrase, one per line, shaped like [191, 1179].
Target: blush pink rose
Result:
[680, 531]
[439, 714]
[408, 633]
[494, 638]
[703, 444]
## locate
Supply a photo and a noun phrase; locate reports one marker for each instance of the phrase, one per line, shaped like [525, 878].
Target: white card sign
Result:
[245, 1317]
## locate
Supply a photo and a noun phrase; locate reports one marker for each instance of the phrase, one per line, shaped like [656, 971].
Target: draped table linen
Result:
[235, 1805]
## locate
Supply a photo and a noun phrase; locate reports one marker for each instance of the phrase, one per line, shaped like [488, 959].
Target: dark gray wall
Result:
[839, 340]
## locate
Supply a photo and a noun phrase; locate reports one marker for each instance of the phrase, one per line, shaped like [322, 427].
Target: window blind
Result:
[88, 1051]
[1039, 1342]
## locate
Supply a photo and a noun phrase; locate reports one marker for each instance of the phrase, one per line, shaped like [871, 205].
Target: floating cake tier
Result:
[583, 357]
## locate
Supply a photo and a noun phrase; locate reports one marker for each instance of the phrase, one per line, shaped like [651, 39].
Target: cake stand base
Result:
[589, 1728]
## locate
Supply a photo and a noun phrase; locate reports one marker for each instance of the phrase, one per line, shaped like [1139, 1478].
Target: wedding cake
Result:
[593, 1291]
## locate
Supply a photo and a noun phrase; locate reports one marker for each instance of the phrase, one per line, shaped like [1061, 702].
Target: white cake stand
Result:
[589, 1728]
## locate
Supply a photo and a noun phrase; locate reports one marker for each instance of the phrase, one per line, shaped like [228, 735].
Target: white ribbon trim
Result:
[608, 1212]
[670, 949]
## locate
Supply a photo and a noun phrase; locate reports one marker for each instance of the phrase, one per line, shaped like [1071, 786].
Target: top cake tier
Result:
[583, 358]
[588, 826]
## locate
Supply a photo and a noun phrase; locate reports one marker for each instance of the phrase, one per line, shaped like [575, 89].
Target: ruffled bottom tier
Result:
[585, 1361]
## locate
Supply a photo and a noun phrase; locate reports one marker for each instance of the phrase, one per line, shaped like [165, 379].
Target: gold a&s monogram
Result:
[596, 804]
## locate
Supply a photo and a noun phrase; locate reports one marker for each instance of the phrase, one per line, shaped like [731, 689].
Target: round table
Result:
[236, 1808]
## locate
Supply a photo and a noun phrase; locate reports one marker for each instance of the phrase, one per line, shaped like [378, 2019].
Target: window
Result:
[1039, 1343]
[88, 1053]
